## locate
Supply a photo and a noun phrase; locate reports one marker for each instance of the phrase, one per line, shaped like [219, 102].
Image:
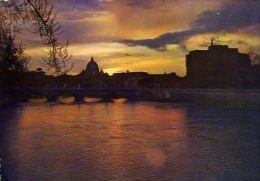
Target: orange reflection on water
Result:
[65, 99]
[147, 133]
[37, 100]
[111, 134]
[155, 157]
[119, 100]
[92, 99]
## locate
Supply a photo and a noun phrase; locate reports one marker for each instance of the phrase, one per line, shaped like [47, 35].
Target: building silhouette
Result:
[92, 68]
[217, 67]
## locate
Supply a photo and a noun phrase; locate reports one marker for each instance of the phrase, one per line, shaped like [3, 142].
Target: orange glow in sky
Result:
[150, 35]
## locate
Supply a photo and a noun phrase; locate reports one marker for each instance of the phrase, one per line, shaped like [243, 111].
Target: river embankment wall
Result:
[225, 97]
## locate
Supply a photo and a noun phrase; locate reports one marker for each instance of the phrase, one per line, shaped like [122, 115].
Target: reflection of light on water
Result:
[37, 100]
[92, 99]
[142, 141]
[119, 100]
[155, 157]
[66, 99]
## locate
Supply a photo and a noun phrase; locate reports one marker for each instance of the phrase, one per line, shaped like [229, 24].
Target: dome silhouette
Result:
[92, 67]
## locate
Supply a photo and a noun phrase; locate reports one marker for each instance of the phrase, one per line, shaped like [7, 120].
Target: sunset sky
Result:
[150, 35]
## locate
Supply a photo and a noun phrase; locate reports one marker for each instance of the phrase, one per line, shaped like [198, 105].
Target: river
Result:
[129, 141]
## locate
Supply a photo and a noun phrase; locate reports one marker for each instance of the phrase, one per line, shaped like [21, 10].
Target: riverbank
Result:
[6, 101]
[222, 97]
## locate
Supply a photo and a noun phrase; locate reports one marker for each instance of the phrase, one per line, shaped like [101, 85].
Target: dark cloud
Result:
[139, 4]
[160, 42]
[241, 42]
[231, 18]
[80, 5]
[131, 55]
[183, 47]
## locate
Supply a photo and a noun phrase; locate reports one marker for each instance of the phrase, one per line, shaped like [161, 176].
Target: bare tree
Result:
[12, 55]
[39, 15]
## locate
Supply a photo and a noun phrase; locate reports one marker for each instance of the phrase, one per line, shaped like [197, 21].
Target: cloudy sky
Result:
[151, 35]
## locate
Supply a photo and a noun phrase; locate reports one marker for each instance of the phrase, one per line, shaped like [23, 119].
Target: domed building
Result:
[92, 67]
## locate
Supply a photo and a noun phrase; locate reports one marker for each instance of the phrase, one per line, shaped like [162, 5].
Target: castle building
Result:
[217, 67]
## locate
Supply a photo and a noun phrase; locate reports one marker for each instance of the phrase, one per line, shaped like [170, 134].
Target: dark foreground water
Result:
[129, 141]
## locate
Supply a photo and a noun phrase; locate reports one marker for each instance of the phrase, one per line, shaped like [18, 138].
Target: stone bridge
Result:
[226, 97]
[132, 94]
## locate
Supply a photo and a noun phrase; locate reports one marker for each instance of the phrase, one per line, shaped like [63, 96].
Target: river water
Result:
[129, 141]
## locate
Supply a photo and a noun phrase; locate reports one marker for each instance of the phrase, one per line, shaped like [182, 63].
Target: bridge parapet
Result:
[22, 94]
[246, 98]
